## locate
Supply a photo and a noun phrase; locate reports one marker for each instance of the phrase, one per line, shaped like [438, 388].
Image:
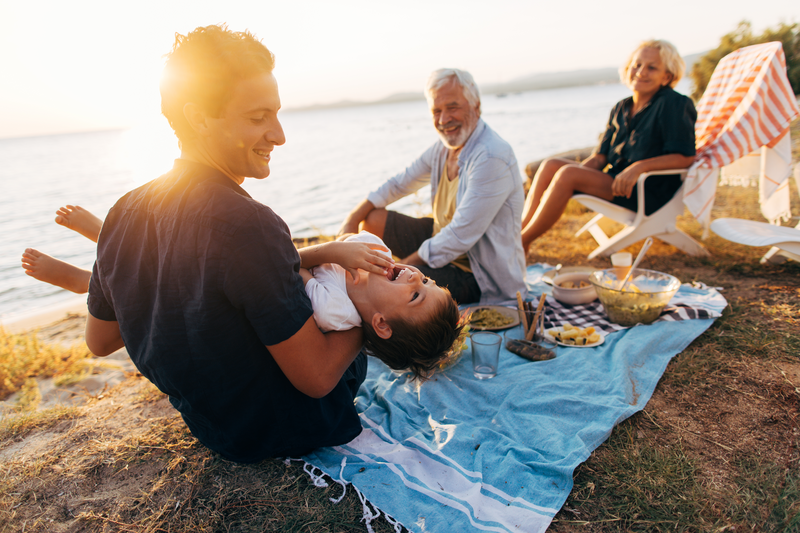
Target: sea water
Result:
[331, 160]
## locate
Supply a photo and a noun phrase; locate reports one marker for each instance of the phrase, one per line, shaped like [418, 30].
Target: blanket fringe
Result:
[368, 516]
[367, 508]
[398, 527]
[317, 480]
[341, 482]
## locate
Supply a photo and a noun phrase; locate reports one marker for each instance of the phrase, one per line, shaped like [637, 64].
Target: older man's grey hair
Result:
[441, 77]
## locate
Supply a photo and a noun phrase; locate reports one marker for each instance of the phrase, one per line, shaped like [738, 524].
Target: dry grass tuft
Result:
[24, 356]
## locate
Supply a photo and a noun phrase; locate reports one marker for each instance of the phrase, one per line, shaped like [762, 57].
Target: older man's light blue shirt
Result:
[488, 217]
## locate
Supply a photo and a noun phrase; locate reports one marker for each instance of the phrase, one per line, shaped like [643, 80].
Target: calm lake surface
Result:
[332, 158]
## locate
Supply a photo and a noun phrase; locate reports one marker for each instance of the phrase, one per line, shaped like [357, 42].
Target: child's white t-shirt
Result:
[333, 309]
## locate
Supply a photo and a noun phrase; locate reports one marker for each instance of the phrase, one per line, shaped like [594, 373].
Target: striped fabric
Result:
[746, 108]
[593, 315]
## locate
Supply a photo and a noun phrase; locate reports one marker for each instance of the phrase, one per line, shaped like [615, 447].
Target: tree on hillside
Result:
[787, 34]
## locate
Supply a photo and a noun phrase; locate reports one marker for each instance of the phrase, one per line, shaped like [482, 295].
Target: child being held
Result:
[409, 322]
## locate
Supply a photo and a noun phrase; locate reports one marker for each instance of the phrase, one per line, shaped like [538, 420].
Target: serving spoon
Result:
[639, 257]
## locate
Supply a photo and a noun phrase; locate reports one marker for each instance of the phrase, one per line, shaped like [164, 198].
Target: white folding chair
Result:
[638, 226]
[785, 241]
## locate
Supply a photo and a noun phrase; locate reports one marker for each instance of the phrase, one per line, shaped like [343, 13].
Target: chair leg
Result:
[777, 256]
[684, 242]
[624, 238]
[773, 256]
[595, 230]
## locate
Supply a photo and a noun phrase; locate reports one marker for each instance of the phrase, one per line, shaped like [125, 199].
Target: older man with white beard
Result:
[471, 244]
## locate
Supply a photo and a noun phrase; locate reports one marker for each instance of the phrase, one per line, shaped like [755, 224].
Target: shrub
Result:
[787, 34]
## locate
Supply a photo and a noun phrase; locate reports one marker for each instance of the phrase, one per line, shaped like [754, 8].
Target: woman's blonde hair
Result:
[672, 60]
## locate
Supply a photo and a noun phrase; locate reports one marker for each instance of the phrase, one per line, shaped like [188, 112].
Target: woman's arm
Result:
[625, 180]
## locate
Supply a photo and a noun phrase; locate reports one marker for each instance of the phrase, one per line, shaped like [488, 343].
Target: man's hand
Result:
[349, 226]
[356, 217]
[414, 260]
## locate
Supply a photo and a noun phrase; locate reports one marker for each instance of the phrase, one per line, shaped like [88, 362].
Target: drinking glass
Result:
[485, 354]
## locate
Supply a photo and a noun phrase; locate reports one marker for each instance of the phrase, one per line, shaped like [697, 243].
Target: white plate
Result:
[552, 339]
[548, 276]
[513, 314]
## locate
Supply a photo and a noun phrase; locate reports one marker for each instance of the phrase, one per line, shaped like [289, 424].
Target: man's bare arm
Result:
[102, 336]
[414, 260]
[306, 275]
[313, 361]
[356, 217]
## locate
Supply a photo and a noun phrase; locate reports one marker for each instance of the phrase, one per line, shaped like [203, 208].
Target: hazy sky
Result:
[85, 65]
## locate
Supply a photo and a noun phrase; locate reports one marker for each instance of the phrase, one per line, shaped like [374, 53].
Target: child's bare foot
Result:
[55, 272]
[79, 219]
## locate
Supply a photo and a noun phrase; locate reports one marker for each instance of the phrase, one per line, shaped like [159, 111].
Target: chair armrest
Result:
[640, 187]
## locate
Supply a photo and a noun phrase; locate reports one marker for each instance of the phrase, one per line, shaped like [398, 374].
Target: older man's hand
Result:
[348, 227]
[413, 260]
[356, 216]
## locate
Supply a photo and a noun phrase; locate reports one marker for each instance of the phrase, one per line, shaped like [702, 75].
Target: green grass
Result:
[659, 489]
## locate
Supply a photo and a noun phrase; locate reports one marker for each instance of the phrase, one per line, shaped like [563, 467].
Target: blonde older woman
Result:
[651, 130]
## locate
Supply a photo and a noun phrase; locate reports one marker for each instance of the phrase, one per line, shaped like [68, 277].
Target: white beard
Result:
[461, 138]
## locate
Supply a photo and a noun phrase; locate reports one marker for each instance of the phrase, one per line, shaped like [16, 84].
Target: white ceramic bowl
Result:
[584, 295]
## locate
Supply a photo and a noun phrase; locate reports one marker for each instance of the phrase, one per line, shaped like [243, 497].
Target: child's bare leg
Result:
[55, 272]
[79, 219]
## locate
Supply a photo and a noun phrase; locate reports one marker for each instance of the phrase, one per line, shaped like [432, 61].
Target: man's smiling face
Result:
[241, 140]
[453, 116]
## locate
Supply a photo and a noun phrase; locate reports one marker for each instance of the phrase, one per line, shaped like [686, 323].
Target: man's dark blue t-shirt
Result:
[201, 278]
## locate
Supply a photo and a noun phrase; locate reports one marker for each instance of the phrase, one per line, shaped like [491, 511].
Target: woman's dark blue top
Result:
[664, 126]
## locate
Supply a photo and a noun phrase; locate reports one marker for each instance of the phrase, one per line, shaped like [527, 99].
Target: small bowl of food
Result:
[573, 288]
[644, 297]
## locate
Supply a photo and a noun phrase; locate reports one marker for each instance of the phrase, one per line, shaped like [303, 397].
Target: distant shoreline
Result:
[496, 90]
[534, 82]
[43, 316]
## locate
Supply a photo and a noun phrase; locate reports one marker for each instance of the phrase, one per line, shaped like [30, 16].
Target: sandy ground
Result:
[64, 324]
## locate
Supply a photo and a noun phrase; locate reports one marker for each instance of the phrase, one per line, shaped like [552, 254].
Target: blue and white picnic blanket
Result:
[458, 454]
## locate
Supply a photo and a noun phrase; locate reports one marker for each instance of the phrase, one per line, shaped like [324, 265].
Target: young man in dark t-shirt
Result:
[201, 283]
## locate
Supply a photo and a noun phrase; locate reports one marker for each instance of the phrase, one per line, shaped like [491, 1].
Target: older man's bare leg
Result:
[55, 272]
[79, 219]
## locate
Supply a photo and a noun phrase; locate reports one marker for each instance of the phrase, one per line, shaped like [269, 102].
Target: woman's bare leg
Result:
[55, 272]
[568, 180]
[541, 181]
[79, 219]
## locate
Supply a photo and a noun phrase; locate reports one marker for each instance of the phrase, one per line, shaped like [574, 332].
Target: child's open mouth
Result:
[395, 273]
